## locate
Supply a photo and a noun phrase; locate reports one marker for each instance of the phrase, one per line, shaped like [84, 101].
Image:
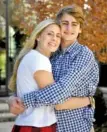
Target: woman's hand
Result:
[15, 105]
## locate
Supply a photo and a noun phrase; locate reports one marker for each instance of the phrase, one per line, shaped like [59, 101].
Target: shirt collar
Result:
[68, 49]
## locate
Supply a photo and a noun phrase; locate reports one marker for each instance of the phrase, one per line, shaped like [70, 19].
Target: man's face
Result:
[70, 28]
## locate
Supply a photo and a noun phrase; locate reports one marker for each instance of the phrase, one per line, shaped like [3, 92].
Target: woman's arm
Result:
[43, 78]
[73, 103]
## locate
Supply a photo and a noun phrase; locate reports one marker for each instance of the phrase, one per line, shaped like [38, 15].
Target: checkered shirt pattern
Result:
[76, 73]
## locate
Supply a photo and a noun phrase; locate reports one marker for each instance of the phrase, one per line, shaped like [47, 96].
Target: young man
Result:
[75, 72]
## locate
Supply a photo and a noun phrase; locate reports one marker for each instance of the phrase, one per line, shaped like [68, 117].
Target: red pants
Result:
[51, 128]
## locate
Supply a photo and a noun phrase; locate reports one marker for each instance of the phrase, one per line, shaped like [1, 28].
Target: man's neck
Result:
[66, 44]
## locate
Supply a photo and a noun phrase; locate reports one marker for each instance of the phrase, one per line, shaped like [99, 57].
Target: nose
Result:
[54, 38]
[68, 27]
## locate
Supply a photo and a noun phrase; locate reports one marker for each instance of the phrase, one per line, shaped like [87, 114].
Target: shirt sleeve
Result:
[39, 62]
[61, 90]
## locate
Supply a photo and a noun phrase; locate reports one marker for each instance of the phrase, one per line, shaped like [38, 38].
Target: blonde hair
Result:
[74, 10]
[29, 44]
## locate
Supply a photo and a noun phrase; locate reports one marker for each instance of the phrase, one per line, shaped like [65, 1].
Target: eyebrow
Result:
[50, 31]
[64, 21]
[75, 22]
[68, 21]
[53, 32]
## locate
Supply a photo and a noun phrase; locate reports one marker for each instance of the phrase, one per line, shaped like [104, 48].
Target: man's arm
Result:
[61, 90]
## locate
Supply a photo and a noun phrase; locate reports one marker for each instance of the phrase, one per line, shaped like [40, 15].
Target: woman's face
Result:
[50, 38]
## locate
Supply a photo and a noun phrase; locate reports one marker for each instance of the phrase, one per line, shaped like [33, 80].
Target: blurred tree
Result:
[26, 13]
[95, 29]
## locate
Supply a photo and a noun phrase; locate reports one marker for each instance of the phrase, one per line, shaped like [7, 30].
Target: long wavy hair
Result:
[30, 43]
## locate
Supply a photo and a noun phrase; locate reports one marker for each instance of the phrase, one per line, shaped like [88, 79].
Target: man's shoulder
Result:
[81, 50]
[81, 53]
[85, 50]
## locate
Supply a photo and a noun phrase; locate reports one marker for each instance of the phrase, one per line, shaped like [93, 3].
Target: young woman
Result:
[32, 71]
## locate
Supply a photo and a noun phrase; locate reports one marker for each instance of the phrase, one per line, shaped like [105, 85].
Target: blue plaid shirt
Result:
[76, 73]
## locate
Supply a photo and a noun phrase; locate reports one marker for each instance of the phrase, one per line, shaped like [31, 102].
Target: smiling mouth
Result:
[52, 44]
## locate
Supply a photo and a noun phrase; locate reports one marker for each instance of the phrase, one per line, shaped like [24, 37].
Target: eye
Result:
[64, 23]
[74, 24]
[50, 33]
[59, 36]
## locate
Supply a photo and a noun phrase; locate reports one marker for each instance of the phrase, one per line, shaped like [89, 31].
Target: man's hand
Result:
[15, 105]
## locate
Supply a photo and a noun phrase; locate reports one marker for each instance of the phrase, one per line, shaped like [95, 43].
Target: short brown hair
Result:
[74, 10]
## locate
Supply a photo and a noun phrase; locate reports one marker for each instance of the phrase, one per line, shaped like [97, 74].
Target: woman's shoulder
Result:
[36, 54]
[37, 57]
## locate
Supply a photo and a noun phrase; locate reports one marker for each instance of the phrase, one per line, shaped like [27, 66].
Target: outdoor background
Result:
[17, 20]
